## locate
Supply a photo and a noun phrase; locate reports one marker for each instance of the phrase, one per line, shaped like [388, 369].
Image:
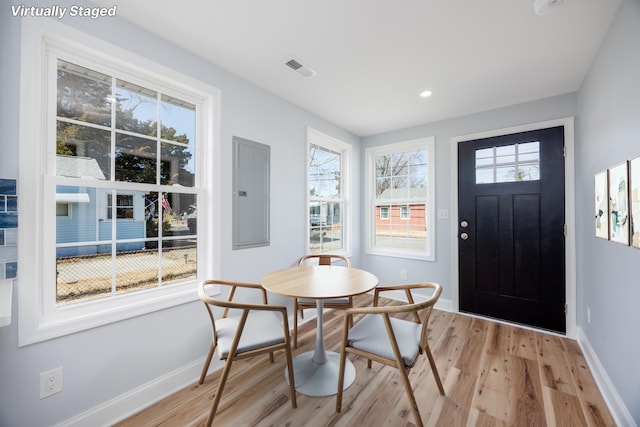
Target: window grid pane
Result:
[325, 228]
[401, 177]
[83, 94]
[326, 199]
[510, 163]
[152, 242]
[324, 172]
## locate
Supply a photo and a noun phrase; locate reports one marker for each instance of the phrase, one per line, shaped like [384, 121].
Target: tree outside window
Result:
[139, 144]
[401, 189]
[327, 201]
[124, 146]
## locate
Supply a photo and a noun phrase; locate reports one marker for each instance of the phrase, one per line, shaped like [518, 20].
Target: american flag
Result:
[165, 204]
[151, 206]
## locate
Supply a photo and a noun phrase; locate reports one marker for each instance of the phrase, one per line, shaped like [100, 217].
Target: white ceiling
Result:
[373, 57]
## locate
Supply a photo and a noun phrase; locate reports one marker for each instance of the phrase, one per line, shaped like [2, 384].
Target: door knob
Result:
[464, 224]
[464, 236]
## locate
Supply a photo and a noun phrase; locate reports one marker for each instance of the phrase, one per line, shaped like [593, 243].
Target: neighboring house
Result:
[84, 214]
[406, 208]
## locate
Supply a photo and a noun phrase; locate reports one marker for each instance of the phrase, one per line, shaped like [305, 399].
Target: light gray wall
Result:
[103, 363]
[9, 78]
[440, 270]
[608, 134]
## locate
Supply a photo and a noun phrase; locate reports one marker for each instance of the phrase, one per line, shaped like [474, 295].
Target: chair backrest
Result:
[403, 350]
[324, 259]
[421, 311]
[227, 303]
[229, 338]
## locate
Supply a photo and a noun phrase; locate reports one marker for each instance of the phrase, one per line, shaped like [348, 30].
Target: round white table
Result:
[316, 372]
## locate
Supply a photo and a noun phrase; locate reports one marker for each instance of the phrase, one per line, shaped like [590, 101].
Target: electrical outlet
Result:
[403, 274]
[50, 382]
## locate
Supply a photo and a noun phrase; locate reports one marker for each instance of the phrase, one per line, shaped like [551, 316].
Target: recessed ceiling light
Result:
[542, 7]
[425, 94]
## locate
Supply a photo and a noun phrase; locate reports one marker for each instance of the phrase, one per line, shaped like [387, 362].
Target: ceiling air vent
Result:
[299, 67]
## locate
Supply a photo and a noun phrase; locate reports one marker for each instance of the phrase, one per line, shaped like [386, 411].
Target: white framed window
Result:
[63, 210]
[124, 206]
[405, 212]
[129, 147]
[328, 193]
[384, 212]
[400, 188]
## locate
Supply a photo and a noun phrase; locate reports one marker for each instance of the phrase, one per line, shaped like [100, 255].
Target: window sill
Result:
[400, 254]
[6, 293]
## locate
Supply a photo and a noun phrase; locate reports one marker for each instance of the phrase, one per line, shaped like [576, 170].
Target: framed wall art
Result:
[601, 205]
[634, 194]
[619, 204]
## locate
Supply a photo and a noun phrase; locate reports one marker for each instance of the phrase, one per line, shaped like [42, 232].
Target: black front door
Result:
[511, 227]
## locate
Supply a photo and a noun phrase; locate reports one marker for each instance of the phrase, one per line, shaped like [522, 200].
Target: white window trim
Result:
[38, 322]
[318, 138]
[108, 210]
[370, 154]
[384, 217]
[405, 208]
[69, 215]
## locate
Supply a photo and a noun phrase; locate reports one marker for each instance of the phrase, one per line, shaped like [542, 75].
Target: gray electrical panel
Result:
[251, 173]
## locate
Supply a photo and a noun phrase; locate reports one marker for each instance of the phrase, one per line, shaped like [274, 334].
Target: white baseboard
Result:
[131, 402]
[444, 305]
[616, 405]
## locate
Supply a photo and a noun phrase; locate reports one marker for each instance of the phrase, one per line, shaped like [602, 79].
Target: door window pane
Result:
[508, 163]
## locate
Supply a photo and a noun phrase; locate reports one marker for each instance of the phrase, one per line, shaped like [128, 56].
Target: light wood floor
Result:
[493, 374]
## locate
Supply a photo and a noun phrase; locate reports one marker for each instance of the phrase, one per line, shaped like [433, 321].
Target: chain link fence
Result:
[87, 277]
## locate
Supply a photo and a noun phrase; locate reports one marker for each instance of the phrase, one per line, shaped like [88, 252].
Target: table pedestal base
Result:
[320, 379]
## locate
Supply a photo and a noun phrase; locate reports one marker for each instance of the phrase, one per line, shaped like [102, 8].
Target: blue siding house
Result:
[84, 214]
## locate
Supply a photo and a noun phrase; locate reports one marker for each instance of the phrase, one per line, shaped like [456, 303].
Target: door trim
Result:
[569, 208]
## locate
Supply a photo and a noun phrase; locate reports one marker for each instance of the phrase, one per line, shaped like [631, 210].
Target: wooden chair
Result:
[299, 304]
[259, 329]
[386, 339]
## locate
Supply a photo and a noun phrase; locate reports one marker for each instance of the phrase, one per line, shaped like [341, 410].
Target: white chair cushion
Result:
[370, 334]
[263, 328]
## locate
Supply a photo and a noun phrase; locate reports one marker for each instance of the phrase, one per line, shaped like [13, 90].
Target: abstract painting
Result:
[619, 204]
[634, 178]
[601, 205]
